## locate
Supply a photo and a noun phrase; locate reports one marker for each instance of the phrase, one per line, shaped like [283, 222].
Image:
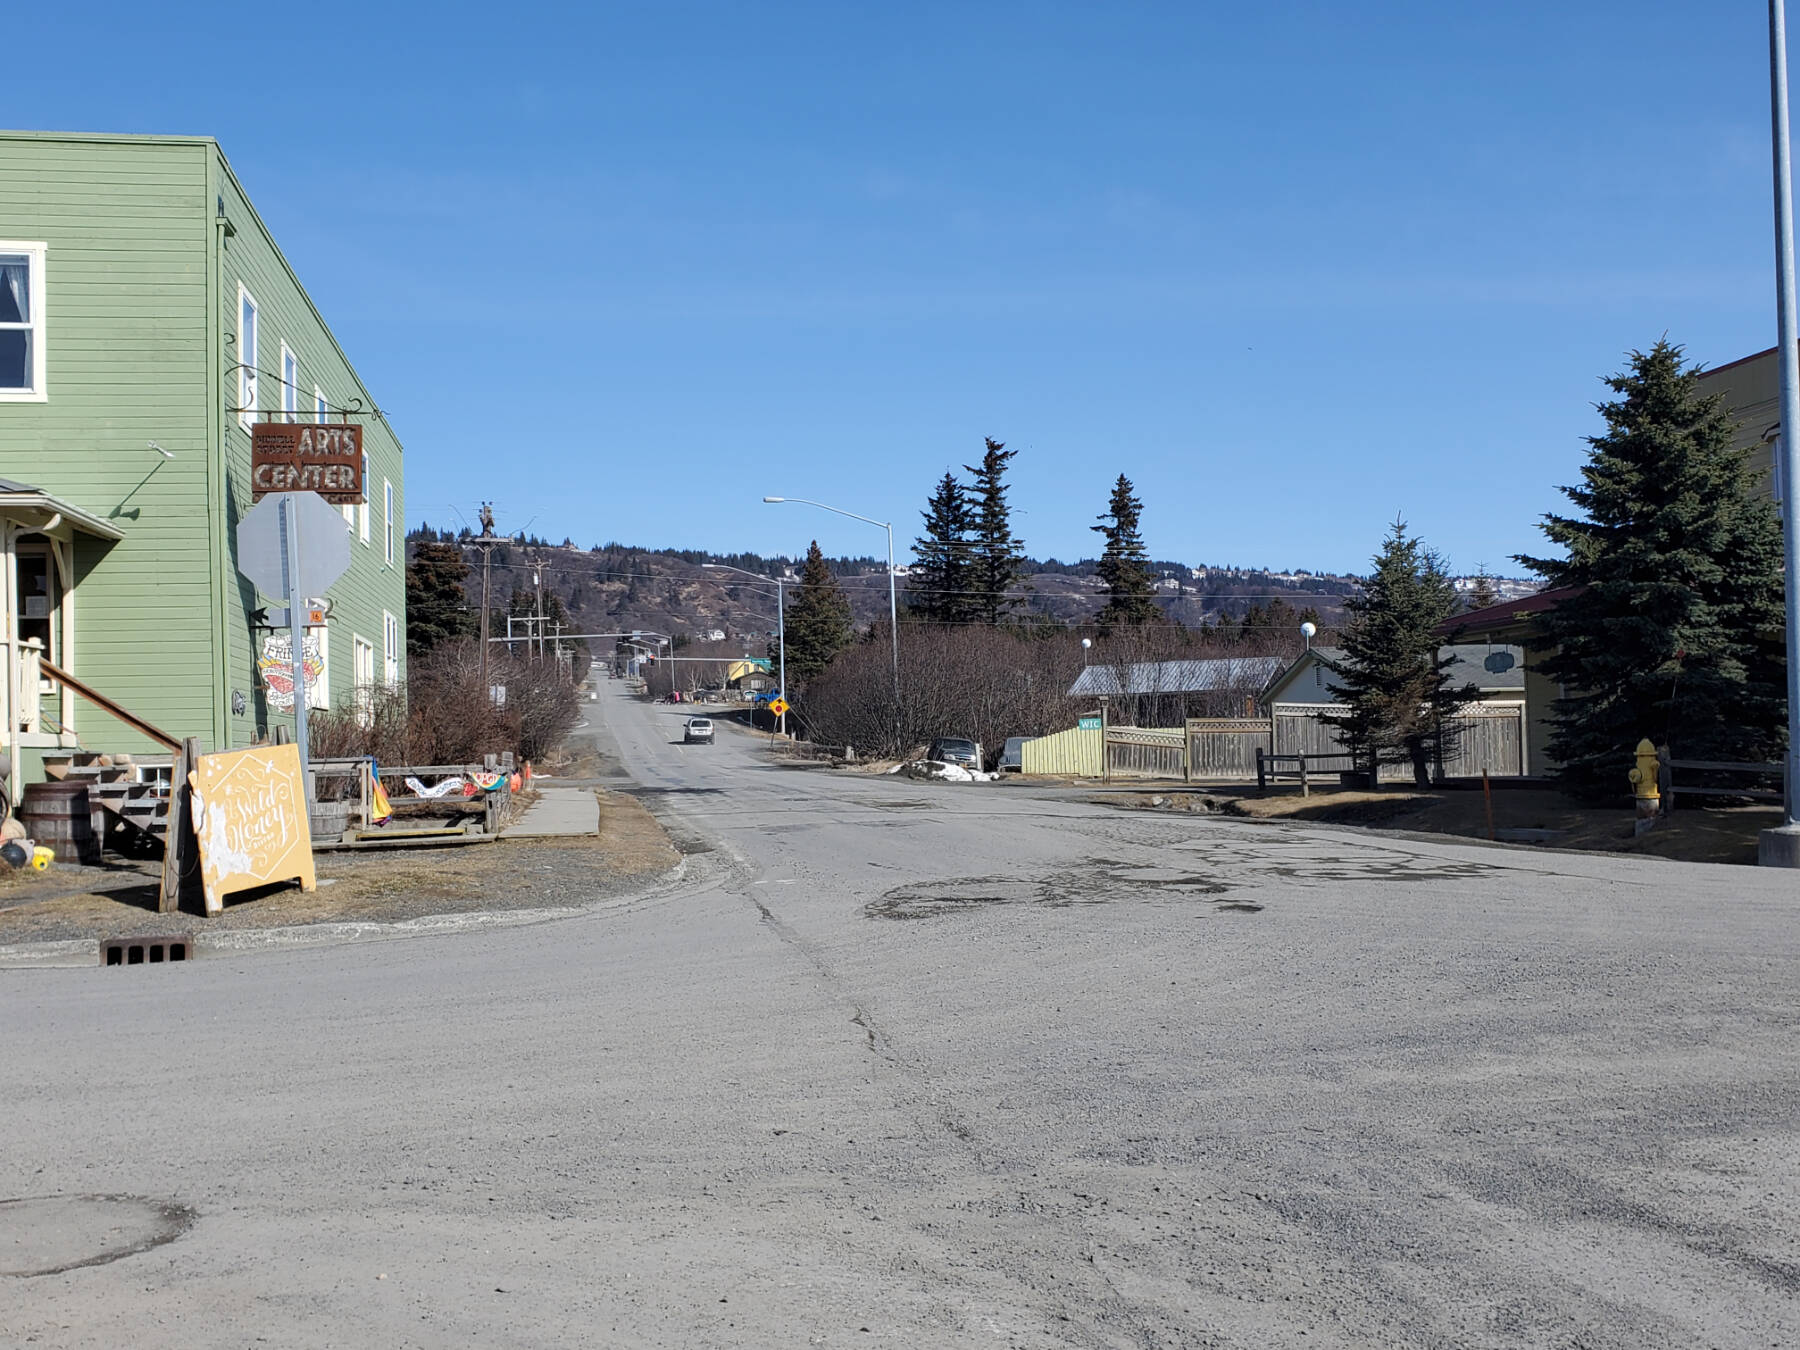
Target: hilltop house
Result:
[147, 320]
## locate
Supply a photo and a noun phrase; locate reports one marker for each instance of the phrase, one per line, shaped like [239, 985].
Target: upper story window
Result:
[362, 510]
[387, 517]
[246, 346]
[318, 404]
[21, 322]
[390, 655]
[290, 385]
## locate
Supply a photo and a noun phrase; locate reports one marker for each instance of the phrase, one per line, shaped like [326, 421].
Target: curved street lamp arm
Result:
[807, 501]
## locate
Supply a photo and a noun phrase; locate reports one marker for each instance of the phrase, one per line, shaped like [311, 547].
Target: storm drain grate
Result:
[139, 951]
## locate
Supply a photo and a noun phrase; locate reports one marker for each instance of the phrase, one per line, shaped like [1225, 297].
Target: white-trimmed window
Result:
[387, 518]
[290, 385]
[22, 322]
[362, 660]
[390, 655]
[322, 410]
[318, 693]
[362, 511]
[246, 352]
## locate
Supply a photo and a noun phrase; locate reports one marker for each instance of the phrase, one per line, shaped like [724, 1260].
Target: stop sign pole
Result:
[290, 577]
[293, 545]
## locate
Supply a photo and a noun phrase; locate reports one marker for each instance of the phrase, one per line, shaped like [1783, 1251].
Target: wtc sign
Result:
[326, 458]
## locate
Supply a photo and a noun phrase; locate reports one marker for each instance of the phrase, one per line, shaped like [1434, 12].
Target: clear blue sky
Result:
[1293, 268]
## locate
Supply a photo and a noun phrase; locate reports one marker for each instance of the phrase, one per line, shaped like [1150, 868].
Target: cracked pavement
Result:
[963, 1065]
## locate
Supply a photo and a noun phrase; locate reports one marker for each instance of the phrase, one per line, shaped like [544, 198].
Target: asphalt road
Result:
[918, 1065]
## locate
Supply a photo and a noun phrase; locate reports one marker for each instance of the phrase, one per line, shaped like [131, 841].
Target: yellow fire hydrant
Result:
[1644, 780]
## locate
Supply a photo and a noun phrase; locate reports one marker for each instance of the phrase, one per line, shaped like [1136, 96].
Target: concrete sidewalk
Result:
[557, 811]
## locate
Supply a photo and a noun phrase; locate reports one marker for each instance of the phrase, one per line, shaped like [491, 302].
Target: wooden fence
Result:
[1305, 769]
[1075, 752]
[1719, 769]
[1482, 738]
[1145, 752]
[1223, 749]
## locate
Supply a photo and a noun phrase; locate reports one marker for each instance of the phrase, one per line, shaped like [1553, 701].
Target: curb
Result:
[66, 954]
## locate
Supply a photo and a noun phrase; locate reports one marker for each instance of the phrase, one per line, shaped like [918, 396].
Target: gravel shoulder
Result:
[1536, 816]
[388, 886]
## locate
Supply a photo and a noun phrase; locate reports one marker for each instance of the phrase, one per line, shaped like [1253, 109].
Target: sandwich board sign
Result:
[250, 817]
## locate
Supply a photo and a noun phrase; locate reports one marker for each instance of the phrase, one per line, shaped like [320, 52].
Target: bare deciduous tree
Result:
[984, 683]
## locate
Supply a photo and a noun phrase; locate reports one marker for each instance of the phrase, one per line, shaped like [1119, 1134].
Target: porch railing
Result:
[25, 706]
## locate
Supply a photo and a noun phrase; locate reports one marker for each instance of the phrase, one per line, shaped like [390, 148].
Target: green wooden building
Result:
[147, 319]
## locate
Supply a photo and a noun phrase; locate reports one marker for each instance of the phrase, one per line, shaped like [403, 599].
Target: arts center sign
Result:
[326, 458]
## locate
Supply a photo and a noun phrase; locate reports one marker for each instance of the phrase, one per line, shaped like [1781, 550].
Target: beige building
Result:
[1753, 398]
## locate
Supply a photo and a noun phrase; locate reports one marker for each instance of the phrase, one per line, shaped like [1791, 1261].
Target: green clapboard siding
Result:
[142, 316]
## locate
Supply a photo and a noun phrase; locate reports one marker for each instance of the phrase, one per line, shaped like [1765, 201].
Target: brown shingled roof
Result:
[1506, 614]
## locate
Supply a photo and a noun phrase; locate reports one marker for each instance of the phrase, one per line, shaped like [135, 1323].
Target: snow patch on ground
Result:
[943, 772]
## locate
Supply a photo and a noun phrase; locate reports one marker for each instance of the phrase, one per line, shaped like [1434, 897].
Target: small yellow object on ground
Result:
[41, 858]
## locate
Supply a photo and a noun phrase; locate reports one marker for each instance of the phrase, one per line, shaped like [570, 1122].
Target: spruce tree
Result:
[1393, 678]
[1676, 633]
[818, 619]
[1483, 594]
[1124, 566]
[437, 609]
[941, 586]
[998, 558]
[1273, 629]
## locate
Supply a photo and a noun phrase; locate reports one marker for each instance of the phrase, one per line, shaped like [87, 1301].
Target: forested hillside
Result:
[616, 587]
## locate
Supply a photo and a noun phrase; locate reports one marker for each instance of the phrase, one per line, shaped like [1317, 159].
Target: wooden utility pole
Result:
[485, 543]
[537, 590]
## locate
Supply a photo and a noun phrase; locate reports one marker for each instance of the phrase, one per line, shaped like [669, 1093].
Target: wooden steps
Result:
[134, 795]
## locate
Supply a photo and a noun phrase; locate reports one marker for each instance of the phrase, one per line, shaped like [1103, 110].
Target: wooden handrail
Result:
[101, 701]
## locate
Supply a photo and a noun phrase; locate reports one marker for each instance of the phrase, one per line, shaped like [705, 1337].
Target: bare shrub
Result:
[542, 703]
[447, 715]
[993, 683]
[375, 725]
[453, 720]
[984, 683]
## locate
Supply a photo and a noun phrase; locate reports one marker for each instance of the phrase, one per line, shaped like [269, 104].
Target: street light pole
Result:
[893, 597]
[1780, 847]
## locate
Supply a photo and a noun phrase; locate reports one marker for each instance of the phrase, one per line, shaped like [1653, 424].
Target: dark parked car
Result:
[956, 750]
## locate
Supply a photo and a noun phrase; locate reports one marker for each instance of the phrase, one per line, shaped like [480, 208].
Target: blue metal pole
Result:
[1782, 847]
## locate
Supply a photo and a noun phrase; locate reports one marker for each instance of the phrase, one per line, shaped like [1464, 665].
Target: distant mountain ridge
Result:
[616, 587]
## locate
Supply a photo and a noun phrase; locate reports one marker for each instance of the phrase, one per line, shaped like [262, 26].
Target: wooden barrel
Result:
[58, 817]
[328, 821]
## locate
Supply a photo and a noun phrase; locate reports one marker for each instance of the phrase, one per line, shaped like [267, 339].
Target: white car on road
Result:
[697, 731]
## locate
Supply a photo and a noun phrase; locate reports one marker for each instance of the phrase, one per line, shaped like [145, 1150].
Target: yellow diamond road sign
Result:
[779, 706]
